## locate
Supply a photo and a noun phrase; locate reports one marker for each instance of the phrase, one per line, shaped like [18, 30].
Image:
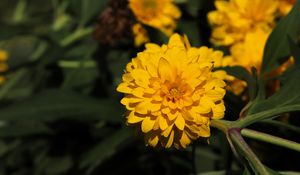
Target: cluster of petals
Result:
[172, 93]
[159, 14]
[244, 26]
[233, 19]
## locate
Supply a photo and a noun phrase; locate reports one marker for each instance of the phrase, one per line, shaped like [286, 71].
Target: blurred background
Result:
[59, 110]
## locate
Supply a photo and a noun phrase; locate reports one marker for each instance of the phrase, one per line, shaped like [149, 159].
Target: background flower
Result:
[159, 14]
[233, 19]
[140, 34]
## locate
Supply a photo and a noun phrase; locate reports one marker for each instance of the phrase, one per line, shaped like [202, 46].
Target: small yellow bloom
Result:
[159, 14]
[171, 92]
[233, 19]
[285, 6]
[140, 34]
[249, 53]
[3, 65]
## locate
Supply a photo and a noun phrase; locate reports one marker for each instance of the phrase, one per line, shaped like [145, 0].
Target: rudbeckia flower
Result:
[159, 14]
[172, 93]
[233, 19]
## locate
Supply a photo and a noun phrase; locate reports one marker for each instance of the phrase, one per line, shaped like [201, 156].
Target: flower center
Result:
[174, 95]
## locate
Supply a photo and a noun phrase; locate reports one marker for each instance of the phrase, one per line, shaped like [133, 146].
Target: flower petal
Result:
[147, 125]
[179, 122]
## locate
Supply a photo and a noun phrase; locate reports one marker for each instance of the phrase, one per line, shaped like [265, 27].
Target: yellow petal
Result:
[172, 115]
[175, 41]
[165, 70]
[138, 92]
[163, 123]
[167, 132]
[123, 87]
[184, 140]
[170, 140]
[141, 77]
[142, 107]
[153, 141]
[132, 118]
[147, 125]
[204, 131]
[180, 122]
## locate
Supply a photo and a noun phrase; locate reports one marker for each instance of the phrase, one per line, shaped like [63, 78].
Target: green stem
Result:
[246, 151]
[77, 64]
[78, 34]
[222, 125]
[271, 139]
[264, 115]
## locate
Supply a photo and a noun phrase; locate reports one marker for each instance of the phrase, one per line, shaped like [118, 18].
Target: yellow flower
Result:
[233, 19]
[3, 65]
[171, 92]
[249, 53]
[285, 6]
[140, 35]
[159, 14]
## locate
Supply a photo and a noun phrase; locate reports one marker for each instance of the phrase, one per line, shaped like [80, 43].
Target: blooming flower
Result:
[140, 35]
[233, 19]
[159, 14]
[171, 92]
[249, 53]
[3, 65]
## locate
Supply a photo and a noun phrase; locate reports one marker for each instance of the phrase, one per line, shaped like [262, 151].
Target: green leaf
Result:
[24, 128]
[90, 9]
[277, 47]
[104, 149]
[287, 99]
[55, 104]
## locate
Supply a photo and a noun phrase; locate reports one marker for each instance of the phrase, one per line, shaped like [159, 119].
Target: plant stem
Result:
[271, 139]
[76, 35]
[264, 115]
[246, 151]
[222, 125]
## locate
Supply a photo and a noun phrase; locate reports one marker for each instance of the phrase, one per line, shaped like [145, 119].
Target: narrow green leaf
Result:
[277, 47]
[287, 99]
[90, 8]
[24, 128]
[56, 104]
